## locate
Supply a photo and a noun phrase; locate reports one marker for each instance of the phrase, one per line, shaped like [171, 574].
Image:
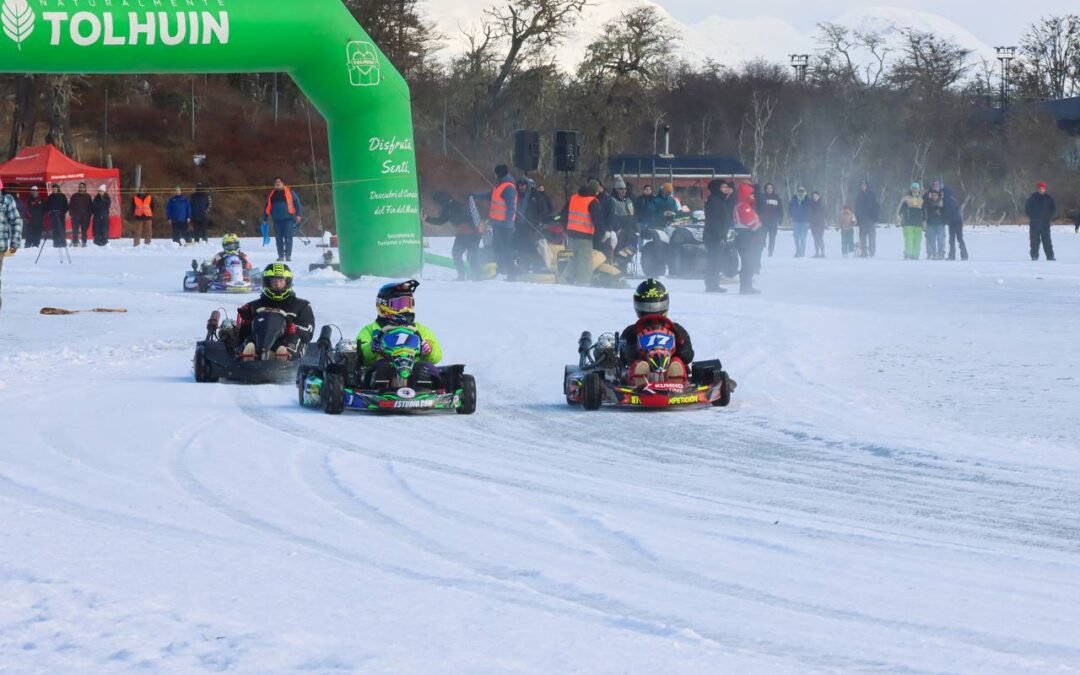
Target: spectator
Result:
[625, 225]
[466, 249]
[81, 208]
[142, 212]
[866, 218]
[746, 223]
[11, 224]
[501, 212]
[35, 206]
[912, 218]
[936, 219]
[719, 217]
[178, 213]
[1040, 210]
[665, 202]
[532, 210]
[847, 231]
[799, 212]
[604, 240]
[201, 201]
[56, 206]
[771, 211]
[818, 221]
[102, 210]
[581, 215]
[283, 207]
[955, 218]
[645, 207]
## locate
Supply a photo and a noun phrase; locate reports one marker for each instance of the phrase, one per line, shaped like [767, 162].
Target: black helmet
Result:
[277, 271]
[395, 303]
[650, 298]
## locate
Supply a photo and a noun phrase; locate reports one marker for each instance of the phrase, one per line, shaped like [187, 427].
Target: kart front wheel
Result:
[203, 370]
[332, 394]
[593, 391]
[468, 395]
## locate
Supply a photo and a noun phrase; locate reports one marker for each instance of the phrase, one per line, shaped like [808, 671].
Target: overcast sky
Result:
[994, 21]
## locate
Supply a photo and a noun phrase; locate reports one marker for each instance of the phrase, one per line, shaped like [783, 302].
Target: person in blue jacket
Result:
[800, 212]
[178, 213]
[283, 207]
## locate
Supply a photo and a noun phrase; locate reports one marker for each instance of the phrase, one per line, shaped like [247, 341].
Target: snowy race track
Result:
[894, 489]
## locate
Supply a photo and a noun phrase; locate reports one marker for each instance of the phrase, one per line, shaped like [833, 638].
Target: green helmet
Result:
[277, 271]
[230, 243]
[651, 297]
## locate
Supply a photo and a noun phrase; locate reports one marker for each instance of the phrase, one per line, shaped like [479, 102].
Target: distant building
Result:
[689, 174]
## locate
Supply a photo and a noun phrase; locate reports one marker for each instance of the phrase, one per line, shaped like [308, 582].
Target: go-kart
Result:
[230, 278]
[217, 356]
[600, 378]
[398, 382]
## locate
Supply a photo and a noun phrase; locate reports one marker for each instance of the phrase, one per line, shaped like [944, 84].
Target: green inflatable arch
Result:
[364, 99]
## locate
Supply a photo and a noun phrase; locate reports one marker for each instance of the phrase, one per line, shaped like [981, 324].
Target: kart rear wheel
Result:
[332, 394]
[203, 370]
[468, 395]
[204, 285]
[725, 391]
[593, 391]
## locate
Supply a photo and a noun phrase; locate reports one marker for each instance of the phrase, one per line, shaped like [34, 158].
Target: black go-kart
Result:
[600, 378]
[339, 380]
[217, 356]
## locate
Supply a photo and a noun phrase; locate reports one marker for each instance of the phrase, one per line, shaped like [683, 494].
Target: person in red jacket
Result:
[746, 223]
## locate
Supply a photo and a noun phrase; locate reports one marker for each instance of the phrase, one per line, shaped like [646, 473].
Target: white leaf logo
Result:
[18, 20]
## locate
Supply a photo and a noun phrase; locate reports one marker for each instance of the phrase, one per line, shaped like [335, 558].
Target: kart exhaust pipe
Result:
[212, 324]
[585, 342]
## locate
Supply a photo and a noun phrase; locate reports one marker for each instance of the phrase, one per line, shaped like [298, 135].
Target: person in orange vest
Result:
[584, 217]
[284, 209]
[503, 198]
[142, 212]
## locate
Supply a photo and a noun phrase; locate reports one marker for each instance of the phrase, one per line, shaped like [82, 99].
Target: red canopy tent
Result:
[43, 165]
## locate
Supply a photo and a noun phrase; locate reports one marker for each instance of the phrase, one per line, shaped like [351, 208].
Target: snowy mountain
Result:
[723, 39]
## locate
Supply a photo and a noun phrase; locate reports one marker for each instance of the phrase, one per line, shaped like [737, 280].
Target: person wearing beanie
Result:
[102, 211]
[56, 206]
[866, 218]
[501, 212]
[80, 208]
[604, 239]
[35, 223]
[665, 202]
[201, 201]
[770, 208]
[141, 211]
[799, 210]
[178, 214]
[624, 225]
[11, 224]
[912, 218]
[582, 215]
[719, 214]
[1040, 210]
[847, 231]
[746, 223]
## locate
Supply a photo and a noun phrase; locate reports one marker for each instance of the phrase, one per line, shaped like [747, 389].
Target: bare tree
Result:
[528, 27]
[620, 65]
[1050, 67]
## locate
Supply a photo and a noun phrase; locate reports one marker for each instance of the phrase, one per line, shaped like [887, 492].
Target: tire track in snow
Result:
[642, 620]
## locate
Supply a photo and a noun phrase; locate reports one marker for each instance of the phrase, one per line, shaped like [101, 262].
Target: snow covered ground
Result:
[895, 487]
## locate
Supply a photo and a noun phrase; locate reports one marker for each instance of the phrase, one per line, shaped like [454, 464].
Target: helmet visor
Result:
[400, 303]
[645, 307]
